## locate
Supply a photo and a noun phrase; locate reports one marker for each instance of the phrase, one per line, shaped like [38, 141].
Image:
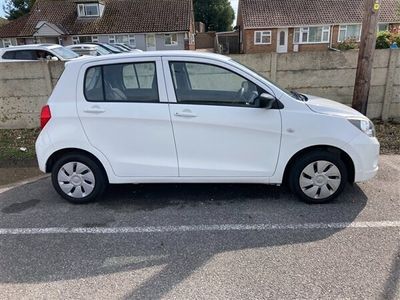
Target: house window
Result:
[88, 10]
[7, 43]
[383, 27]
[312, 35]
[124, 39]
[171, 39]
[262, 37]
[349, 32]
[85, 39]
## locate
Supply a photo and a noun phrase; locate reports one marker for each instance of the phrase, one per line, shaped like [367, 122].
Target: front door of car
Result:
[123, 110]
[219, 128]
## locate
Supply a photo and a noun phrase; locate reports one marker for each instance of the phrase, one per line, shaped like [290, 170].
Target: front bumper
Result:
[366, 150]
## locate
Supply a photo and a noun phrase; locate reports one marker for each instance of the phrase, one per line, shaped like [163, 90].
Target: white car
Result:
[36, 52]
[181, 116]
[88, 49]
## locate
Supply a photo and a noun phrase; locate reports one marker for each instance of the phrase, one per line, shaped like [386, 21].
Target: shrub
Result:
[348, 44]
[384, 40]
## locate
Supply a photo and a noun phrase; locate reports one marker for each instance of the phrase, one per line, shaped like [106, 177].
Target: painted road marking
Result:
[194, 228]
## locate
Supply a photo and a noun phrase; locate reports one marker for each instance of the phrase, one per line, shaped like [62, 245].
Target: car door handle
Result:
[95, 110]
[185, 114]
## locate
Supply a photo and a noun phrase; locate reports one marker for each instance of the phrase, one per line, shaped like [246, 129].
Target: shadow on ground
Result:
[48, 258]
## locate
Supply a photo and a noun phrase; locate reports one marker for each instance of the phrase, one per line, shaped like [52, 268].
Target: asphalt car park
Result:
[202, 241]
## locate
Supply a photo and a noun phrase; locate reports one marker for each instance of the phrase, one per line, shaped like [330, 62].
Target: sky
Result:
[234, 4]
[1, 8]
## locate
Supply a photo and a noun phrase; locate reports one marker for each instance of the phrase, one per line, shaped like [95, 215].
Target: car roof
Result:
[82, 46]
[180, 53]
[33, 47]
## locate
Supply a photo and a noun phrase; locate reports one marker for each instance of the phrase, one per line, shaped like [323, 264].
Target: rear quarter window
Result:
[9, 55]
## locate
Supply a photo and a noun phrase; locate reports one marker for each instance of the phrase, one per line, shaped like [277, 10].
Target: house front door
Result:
[282, 40]
[150, 42]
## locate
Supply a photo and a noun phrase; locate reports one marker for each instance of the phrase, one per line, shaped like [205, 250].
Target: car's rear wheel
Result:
[318, 177]
[78, 178]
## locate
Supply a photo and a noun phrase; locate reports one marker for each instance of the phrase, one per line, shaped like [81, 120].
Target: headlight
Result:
[364, 125]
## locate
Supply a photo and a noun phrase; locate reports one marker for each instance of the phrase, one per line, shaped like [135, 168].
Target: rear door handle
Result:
[185, 114]
[95, 110]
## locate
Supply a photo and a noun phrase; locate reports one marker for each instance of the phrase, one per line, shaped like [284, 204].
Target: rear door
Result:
[219, 128]
[124, 112]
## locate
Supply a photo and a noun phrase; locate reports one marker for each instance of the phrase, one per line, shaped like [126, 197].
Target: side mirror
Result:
[53, 58]
[267, 101]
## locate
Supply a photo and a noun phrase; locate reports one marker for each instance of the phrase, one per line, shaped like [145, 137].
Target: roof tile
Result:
[120, 16]
[276, 13]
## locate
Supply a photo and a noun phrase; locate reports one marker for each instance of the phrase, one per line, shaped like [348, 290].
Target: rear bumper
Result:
[43, 148]
[366, 150]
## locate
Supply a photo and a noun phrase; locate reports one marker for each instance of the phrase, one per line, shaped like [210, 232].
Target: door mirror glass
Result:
[267, 101]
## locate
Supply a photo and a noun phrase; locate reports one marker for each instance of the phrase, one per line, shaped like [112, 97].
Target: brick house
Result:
[305, 25]
[143, 24]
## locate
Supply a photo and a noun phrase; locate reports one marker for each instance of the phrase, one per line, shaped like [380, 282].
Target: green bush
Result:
[348, 44]
[383, 41]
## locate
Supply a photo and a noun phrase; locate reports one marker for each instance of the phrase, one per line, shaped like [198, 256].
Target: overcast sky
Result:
[1, 8]
[233, 2]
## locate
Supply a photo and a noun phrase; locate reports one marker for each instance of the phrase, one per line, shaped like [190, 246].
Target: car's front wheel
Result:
[318, 177]
[78, 178]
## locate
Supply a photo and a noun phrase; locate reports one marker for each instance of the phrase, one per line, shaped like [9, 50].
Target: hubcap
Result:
[320, 179]
[76, 179]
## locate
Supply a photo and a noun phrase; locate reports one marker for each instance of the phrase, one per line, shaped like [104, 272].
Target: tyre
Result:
[78, 178]
[318, 177]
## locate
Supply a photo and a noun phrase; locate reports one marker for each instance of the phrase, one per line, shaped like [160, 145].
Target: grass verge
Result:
[17, 147]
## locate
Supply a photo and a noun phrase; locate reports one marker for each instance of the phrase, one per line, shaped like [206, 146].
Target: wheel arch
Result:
[59, 153]
[345, 157]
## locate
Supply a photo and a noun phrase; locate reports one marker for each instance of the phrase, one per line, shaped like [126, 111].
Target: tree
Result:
[17, 8]
[217, 15]
[366, 56]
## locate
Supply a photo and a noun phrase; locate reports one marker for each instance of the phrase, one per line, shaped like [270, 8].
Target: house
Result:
[305, 25]
[143, 24]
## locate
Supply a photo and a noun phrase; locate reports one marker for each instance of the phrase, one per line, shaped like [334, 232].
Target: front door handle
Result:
[185, 114]
[95, 110]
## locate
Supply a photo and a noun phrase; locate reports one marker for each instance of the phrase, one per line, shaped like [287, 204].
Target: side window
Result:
[139, 75]
[199, 83]
[26, 55]
[9, 55]
[135, 82]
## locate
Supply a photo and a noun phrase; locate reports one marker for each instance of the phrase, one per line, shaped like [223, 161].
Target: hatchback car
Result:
[36, 52]
[187, 117]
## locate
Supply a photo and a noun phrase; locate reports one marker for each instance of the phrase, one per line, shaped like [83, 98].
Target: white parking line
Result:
[194, 228]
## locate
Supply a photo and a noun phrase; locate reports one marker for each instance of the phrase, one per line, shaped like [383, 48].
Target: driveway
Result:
[202, 242]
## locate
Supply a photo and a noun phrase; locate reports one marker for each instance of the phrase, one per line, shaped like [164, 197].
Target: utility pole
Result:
[366, 55]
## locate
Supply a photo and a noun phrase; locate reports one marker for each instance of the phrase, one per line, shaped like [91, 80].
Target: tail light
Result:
[45, 116]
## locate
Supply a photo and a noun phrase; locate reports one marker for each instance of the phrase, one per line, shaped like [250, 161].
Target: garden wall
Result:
[332, 75]
[26, 86]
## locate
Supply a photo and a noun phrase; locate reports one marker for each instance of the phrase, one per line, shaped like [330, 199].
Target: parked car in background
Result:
[108, 47]
[120, 47]
[37, 52]
[88, 49]
[126, 46]
[181, 116]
